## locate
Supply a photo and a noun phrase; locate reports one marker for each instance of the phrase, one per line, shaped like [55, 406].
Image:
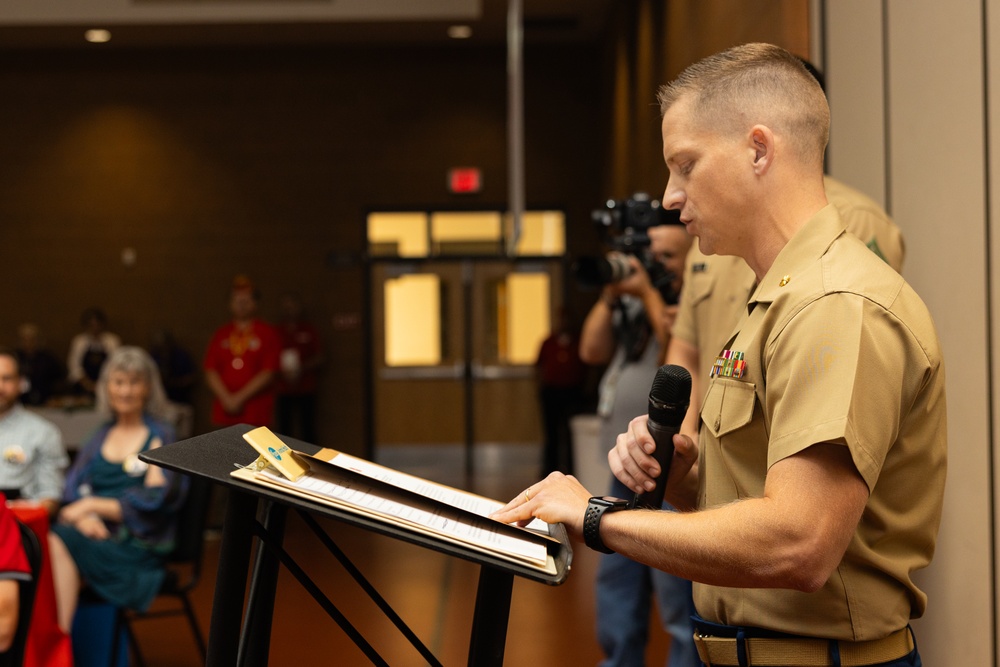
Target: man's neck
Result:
[792, 209]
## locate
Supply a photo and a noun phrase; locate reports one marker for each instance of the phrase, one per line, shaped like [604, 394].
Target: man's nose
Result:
[673, 197]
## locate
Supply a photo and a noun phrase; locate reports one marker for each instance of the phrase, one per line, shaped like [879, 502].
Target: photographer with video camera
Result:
[646, 263]
[628, 328]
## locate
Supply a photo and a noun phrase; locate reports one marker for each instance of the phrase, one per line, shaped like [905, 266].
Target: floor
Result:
[434, 594]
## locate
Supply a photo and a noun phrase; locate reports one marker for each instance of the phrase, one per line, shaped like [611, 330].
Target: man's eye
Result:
[686, 168]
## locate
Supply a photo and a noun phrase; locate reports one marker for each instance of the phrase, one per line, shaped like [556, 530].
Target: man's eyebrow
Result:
[681, 148]
[678, 153]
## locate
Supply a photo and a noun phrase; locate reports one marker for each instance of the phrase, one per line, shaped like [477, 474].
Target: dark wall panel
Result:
[210, 163]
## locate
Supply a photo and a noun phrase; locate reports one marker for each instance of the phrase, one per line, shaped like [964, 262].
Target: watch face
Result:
[609, 501]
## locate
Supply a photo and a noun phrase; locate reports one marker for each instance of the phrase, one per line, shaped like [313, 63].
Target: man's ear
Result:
[762, 140]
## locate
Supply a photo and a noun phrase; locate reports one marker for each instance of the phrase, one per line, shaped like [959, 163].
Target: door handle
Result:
[453, 372]
[499, 372]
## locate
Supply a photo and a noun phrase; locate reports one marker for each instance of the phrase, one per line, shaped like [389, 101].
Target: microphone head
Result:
[670, 395]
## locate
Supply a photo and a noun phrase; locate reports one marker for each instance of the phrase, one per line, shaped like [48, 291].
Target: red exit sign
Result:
[465, 180]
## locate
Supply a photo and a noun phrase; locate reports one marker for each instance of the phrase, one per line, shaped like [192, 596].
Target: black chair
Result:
[183, 573]
[14, 656]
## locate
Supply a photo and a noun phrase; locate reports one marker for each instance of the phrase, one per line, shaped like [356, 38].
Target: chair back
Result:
[191, 521]
[26, 598]
[187, 553]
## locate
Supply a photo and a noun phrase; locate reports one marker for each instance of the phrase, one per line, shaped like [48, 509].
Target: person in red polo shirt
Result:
[241, 362]
[13, 568]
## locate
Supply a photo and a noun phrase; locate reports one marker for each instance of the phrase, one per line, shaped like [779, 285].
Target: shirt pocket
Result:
[729, 405]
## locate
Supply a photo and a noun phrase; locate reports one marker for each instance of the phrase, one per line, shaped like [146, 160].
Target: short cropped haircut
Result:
[756, 83]
[131, 359]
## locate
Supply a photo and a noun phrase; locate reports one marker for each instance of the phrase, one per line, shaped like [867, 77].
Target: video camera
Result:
[626, 222]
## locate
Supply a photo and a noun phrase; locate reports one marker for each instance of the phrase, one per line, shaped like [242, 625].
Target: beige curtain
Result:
[653, 41]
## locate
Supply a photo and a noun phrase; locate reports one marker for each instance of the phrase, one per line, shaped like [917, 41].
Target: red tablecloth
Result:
[48, 646]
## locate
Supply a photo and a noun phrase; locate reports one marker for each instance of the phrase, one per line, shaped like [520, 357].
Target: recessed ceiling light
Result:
[97, 36]
[460, 32]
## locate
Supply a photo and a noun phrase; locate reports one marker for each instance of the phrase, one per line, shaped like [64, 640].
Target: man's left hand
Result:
[558, 498]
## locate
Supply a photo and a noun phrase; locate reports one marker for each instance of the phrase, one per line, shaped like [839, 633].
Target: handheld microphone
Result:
[668, 403]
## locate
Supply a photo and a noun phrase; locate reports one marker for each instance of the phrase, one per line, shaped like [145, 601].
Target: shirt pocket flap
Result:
[728, 405]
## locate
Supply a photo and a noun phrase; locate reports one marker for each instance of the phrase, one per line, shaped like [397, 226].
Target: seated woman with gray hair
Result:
[118, 518]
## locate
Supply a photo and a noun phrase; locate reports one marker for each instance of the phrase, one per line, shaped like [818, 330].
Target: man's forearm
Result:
[655, 308]
[257, 384]
[597, 338]
[792, 537]
[215, 385]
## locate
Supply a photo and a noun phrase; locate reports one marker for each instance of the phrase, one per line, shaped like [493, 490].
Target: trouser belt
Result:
[802, 652]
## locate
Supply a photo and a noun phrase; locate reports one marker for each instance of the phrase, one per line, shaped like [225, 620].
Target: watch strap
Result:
[592, 523]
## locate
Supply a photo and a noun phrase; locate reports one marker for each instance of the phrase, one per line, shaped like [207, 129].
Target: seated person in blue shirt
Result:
[118, 520]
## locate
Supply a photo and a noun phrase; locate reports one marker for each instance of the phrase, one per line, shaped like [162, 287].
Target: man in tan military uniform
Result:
[817, 346]
[825, 411]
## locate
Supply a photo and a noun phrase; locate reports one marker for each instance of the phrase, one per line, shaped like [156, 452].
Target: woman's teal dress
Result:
[128, 568]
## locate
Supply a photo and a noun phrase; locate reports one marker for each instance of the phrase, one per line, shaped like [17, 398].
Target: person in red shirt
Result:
[298, 382]
[13, 568]
[241, 362]
[560, 375]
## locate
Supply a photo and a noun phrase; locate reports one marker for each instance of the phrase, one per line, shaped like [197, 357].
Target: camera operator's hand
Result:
[597, 339]
[661, 316]
[637, 282]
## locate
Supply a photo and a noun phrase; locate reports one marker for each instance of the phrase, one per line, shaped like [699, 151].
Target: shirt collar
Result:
[807, 245]
[14, 409]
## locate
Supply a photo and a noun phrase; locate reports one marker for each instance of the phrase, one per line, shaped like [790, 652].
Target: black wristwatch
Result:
[596, 508]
